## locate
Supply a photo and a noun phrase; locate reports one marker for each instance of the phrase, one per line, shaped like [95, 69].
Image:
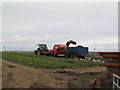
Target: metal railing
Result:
[116, 82]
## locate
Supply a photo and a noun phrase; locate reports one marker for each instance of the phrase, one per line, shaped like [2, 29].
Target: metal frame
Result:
[116, 82]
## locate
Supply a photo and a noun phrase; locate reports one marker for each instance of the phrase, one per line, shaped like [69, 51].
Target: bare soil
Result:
[19, 76]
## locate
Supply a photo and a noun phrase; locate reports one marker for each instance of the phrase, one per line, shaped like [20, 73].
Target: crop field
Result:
[28, 58]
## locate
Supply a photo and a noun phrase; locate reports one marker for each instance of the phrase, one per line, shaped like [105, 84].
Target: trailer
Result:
[77, 52]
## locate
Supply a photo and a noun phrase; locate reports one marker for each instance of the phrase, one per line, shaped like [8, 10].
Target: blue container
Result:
[80, 51]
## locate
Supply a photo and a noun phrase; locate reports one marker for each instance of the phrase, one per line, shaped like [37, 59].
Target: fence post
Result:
[113, 82]
[116, 85]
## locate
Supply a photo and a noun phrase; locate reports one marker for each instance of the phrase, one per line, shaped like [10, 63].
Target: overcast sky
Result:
[90, 24]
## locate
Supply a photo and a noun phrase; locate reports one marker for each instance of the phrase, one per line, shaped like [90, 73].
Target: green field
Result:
[28, 58]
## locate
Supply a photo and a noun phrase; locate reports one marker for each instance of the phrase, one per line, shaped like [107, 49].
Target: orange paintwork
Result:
[56, 52]
[110, 54]
[113, 64]
[111, 58]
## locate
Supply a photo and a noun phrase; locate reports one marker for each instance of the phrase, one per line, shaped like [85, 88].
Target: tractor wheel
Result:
[52, 55]
[35, 52]
[45, 54]
[83, 57]
[38, 53]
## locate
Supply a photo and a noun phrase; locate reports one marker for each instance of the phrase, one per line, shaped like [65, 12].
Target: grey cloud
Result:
[58, 22]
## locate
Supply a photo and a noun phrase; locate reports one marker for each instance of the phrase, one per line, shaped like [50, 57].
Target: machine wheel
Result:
[45, 54]
[52, 55]
[83, 57]
[35, 52]
[38, 53]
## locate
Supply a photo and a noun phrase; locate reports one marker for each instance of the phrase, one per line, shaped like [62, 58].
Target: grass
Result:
[100, 75]
[28, 58]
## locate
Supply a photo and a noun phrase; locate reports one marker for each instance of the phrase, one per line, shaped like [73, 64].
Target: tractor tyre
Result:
[52, 55]
[83, 57]
[35, 52]
[38, 53]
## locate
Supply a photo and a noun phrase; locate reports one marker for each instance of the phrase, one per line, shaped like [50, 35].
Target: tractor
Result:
[41, 50]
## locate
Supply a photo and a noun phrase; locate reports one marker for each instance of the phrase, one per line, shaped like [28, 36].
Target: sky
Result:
[90, 24]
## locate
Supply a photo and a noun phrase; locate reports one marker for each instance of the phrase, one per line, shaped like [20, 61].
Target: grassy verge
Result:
[28, 58]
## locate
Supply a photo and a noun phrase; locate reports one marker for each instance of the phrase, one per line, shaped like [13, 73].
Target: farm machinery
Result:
[41, 50]
[62, 50]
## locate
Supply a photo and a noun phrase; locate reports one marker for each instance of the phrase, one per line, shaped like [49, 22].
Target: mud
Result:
[19, 76]
[77, 74]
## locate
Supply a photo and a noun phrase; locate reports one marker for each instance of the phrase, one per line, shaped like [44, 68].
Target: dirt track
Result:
[20, 76]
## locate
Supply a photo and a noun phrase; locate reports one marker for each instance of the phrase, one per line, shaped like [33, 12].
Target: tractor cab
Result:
[42, 47]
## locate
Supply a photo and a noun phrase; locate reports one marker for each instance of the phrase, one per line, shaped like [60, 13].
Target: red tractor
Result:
[59, 50]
